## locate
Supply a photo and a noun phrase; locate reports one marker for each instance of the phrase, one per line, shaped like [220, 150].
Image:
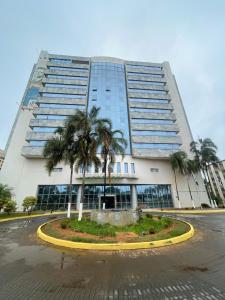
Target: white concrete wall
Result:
[24, 175]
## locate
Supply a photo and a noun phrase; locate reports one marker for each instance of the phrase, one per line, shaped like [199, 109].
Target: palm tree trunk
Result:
[206, 185]
[70, 192]
[82, 194]
[177, 188]
[196, 184]
[192, 200]
[105, 174]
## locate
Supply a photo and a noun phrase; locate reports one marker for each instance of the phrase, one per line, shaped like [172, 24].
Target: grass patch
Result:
[20, 214]
[148, 229]
[89, 240]
[145, 226]
[49, 230]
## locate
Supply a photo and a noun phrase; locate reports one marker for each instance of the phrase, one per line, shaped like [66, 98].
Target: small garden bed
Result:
[148, 228]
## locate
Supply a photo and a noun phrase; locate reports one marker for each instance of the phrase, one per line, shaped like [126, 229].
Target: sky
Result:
[188, 34]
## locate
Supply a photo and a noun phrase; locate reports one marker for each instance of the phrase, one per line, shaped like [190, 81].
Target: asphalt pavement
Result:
[31, 269]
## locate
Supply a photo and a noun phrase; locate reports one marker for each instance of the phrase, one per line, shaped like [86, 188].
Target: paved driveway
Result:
[30, 269]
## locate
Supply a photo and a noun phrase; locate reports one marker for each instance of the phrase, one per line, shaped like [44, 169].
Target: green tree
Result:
[205, 152]
[29, 202]
[87, 124]
[10, 206]
[5, 194]
[177, 160]
[112, 143]
[62, 148]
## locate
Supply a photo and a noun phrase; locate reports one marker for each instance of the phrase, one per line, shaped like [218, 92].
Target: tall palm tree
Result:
[177, 160]
[205, 153]
[87, 124]
[62, 147]
[112, 143]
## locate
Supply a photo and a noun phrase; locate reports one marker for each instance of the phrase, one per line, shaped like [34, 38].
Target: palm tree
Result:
[62, 147]
[177, 160]
[112, 143]
[87, 124]
[205, 153]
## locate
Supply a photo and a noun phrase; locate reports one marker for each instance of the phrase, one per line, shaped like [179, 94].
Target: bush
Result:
[10, 206]
[152, 230]
[166, 222]
[205, 205]
[5, 194]
[149, 216]
[64, 223]
[29, 202]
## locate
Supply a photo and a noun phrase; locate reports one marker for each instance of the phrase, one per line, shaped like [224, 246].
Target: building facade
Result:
[2, 156]
[216, 173]
[141, 99]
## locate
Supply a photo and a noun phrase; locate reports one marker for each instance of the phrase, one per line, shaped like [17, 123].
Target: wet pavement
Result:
[31, 269]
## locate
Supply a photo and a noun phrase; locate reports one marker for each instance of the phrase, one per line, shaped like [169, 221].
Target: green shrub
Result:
[152, 230]
[166, 222]
[149, 216]
[5, 194]
[29, 202]
[64, 223]
[10, 206]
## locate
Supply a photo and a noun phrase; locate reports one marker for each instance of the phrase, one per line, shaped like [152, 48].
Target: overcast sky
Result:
[188, 34]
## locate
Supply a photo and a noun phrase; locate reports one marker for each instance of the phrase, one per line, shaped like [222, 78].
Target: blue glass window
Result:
[61, 60]
[152, 110]
[108, 89]
[118, 167]
[66, 86]
[147, 91]
[149, 121]
[37, 143]
[146, 74]
[154, 132]
[32, 94]
[75, 69]
[147, 82]
[55, 197]
[156, 146]
[145, 67]
[154, 196]
[148, 100]
[64, 77]
[125, 167]
[62, 106]
[51, 117]
[44, 129]
[53, 95]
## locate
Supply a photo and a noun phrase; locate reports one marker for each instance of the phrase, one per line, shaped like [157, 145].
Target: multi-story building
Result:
[140, 98]
[2, 156]
[216, 173]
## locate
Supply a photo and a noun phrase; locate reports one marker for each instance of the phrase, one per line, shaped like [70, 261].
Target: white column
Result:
[134, 196]
[78, 197]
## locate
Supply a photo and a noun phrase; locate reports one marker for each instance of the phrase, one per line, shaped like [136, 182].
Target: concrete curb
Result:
[112, 247]
[191, 212]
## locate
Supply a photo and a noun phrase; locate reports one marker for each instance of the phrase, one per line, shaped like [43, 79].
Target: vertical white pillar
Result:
[78, 197]
[134, 196]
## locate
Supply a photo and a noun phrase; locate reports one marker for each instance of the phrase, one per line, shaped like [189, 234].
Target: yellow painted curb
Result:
[202, 211]
[119, 246]
[39, 215]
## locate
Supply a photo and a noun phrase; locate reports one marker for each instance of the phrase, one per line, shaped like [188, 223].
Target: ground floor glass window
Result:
[93, 193]
[55, 197]
[154, 196]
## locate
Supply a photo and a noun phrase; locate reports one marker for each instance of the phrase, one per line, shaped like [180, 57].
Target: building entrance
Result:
[110, 202]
